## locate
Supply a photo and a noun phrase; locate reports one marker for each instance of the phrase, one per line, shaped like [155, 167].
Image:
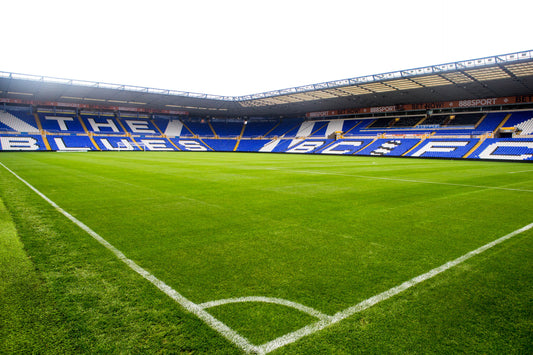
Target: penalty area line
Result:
[190, 306]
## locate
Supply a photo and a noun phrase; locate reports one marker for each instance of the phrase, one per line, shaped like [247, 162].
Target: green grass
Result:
[326, 232]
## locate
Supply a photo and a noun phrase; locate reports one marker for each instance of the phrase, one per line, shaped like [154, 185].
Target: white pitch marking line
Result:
[516, 172]
[398, 179]
[190, 306]
[311, 311]
[312, 328]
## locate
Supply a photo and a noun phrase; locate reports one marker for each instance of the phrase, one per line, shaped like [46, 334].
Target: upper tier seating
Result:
[255, 129]
[435, 120]
[526, 127]
[102, 124]
[518, 117]
[286, 128]
[407, 121]
[227, 129]
[60, 122]
[491, 122]
[383, 122]
[349, 127]
[17, 121]
[319, 129]
[171, 127]
[469, 119]
[200, 129]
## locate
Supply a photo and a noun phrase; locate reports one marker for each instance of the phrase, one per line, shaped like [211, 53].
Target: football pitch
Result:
[227, 253]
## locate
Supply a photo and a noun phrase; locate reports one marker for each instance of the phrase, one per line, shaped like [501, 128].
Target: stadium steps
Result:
[43, 133]
[87, 132]
[368, 145]
[316, 130]
[239, 138]
[212, 129]
[421, 121]
[291, 129]
[188, 129]
[476, 146]
[273, 128]
[502, 123]
[327, 145]
[159, 130]
[207, 145]
[358, 123]
[135, 142]
[480, 120]
[414, 147]
[164, 135]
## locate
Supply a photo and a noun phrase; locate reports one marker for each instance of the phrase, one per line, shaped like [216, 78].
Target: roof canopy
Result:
[497, 76]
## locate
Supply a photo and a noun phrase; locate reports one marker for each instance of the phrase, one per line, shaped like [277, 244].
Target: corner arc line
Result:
[310, 311]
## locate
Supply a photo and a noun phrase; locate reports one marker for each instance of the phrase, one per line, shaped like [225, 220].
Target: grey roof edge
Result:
[452, 66]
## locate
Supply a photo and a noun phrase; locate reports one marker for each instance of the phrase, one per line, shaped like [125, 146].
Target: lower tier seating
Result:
[451, 148]
[464, 136]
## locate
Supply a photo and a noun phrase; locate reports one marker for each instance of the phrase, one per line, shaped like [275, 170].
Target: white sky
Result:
[239, 47]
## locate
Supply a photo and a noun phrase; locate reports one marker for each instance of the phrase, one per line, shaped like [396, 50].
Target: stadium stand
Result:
[187, 144]
[101, 124]
[171, 127]
[71, 143]
[464, 119]
[257, 129]
[384, 122]
[407, 121]
[526, 127]
[115, 143]
[227, 129]
[20, 142]
[389, 147]
[285, 128]
[471, 136]
[344, 146]
[138, 126]
[443, 148]
[60, 122]
[18, 121]
[251, 145]
[435, 120]
[320, 129]
[199, 129]
[517, 118]
[401, 113]
[221, 145]
[490, 123]
[349, 126]
[505, 149]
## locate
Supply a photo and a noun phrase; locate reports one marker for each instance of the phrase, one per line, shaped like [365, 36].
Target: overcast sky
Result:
[240, 47]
